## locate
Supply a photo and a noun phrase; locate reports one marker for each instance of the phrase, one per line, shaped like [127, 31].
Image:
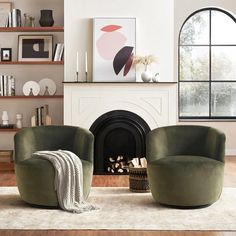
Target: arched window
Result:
[207, 65]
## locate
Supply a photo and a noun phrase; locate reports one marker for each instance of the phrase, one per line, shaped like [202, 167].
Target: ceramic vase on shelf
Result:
[19, 121]
[5, 119]
[46, 18]
[146, 75]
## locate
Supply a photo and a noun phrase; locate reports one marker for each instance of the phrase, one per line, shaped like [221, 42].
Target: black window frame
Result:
[210, 81]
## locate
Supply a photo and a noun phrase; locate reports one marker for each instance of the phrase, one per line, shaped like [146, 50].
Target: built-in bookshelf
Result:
[24, 71]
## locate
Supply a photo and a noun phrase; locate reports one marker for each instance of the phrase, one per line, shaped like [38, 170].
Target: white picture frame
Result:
[114, 45]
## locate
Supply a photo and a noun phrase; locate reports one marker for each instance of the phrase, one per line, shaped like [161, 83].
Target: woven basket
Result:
[138, 181]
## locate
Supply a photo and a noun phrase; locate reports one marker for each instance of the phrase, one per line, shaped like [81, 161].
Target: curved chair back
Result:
[52, 138]
[185, 140]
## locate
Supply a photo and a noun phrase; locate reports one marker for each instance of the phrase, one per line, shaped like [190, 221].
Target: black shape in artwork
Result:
[28, 50]
[121, 58]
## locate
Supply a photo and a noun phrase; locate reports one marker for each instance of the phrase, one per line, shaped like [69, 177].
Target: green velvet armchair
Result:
[185, 165]
[35, 176]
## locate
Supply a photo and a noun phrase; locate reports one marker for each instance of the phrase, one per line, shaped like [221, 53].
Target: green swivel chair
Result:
[185, 165]
[35, 176]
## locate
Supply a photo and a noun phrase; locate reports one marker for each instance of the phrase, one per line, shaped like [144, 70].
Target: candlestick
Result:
[77, 62]
[77, 76]
[86, 62]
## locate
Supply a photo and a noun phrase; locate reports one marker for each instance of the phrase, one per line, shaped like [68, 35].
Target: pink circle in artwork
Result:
[109, 44]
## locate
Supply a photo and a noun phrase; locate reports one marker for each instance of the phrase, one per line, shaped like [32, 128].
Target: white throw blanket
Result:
[68, 180]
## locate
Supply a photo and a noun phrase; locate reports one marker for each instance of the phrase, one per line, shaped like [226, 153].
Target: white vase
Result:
[5, 119]
[146, 75]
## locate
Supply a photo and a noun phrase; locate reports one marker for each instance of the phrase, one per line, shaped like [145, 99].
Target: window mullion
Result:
[210, 64]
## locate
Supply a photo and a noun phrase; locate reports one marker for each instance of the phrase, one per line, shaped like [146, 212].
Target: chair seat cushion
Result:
[35, 180]
[183, 180]
[184, 161]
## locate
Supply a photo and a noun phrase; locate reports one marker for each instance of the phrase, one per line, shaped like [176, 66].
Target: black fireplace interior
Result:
[119, 135]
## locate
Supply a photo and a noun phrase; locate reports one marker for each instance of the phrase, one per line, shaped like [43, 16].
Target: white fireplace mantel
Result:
[155, 103]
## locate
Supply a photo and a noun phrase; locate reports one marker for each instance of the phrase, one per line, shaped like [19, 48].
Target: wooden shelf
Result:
[32, 63]
[90, 82]
[31, 97]
[32, 29]
[9, 130]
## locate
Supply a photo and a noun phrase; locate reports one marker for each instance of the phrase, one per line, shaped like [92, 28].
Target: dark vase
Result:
[46, 18]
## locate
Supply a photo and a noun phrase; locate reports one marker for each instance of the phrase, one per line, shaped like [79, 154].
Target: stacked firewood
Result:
[138, 162]
[116, 165]
[120, 165]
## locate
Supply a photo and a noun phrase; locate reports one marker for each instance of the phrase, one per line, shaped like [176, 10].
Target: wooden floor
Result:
[8, 179]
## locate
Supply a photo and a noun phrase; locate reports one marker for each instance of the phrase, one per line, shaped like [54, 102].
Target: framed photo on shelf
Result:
[5, 9]
[6, 54]
[35, 47]
[114, 45]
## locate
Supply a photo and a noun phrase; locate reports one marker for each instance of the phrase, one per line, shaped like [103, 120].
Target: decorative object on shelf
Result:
[5, 9]
[47, 87]
[77, 66]
[7, 85]
[46, 18]
[35, 47]
[19, 121]
[156, 78]
[58, 52]
[86, 67]
[146, 75]
[31, 88]
[6, 54]
[29, 20]
[14, 19]
[113, 49]
[5, 118]
[41, 116]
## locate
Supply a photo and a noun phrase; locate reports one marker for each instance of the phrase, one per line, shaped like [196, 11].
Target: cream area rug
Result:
[119, 209]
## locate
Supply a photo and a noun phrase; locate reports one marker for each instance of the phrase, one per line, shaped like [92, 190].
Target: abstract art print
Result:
[114, 42]
[35, 47]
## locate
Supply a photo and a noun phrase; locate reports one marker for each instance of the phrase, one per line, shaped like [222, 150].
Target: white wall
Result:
[158, 25]
[183, 8]
[155, 19]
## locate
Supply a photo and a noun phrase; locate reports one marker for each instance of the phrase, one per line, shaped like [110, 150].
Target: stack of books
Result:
[58, 52]
[7, 85]
[41, 116]
[14, 18]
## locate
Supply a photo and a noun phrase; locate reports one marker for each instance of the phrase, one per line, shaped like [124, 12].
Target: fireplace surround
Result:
[153, 104]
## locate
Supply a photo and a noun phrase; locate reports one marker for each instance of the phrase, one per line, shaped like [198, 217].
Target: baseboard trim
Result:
[230, 152]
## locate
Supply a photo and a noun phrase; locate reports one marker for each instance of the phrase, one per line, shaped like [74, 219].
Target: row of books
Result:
[41, 116]
[7, 85]
[14, 18]
[6, 156]
[58, 52]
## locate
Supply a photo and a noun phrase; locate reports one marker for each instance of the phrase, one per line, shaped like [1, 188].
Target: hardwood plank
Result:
[112, 233]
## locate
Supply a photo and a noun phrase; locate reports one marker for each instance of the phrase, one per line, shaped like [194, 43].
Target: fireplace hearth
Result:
[118, 133]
